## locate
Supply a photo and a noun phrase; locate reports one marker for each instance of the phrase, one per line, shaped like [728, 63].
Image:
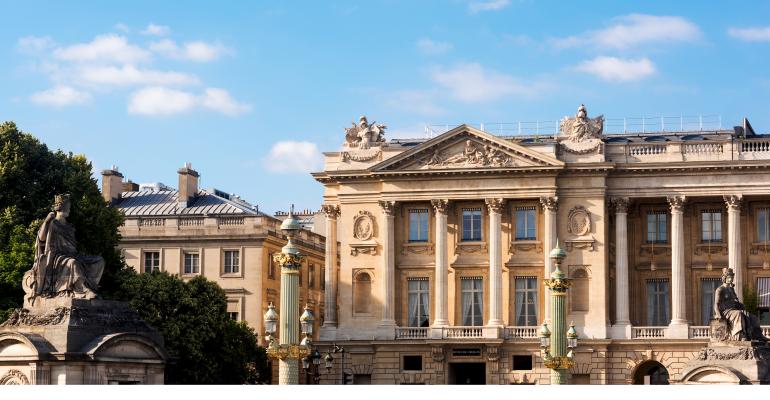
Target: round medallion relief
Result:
[579, 221]
[14, 377]
[363, 226]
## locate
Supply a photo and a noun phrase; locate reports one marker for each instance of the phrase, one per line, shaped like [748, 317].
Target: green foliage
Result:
[750, 299]
[208, 347]
[30, 175]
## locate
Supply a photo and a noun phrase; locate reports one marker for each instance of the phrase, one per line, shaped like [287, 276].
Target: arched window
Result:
[362, 293]
[651, 373]
[579, 293]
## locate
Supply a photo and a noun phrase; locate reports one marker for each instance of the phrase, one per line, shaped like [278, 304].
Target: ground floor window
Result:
[658, 303]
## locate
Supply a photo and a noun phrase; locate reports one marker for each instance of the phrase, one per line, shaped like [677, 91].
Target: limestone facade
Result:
[646, 220]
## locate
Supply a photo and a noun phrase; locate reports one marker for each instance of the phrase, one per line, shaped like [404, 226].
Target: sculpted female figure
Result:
[742, 325]
[58, 270]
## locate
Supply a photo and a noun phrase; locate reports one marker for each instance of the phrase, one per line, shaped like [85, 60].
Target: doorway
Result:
[651, 373]
[467, 373]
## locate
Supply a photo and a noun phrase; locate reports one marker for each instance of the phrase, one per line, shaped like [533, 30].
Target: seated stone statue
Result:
[58, 270]
[742, 325]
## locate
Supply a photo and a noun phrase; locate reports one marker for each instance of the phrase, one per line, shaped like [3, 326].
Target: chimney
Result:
[130, 186]
[188, 185]
[112, 184]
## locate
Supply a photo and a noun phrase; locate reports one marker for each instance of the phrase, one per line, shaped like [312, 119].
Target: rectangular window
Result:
[418, 225]
[525, 223]
[658, 306]
[762, 224]
[233, 315]
[522, 363]
[412, 363]
[311, 276]
[323, 278]
[526, 301]
[711, 226]
[471, 224]
[656, 227]
[270, 266]
[232, 261]
[151, 261]
[763, 300]
[192, 263]
[707, 288]
[418, 302]
[472, 301]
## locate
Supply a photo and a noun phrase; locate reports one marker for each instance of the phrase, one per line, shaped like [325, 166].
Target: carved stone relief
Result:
[581, 135]
[14, 377]
[579, 225]
[472, 154]
[363, 225]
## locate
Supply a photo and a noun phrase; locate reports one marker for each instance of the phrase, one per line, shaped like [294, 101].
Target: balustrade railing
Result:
[187, 222]
[755, 146]
[520, 332]
[646, 149]
[152, 222]
[462, 332]
[411, 333]
[700, 332]
[229, 221]
[648, 332]
[701, 148]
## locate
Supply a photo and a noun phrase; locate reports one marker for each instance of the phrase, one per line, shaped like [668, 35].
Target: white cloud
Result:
[194, 51]
[108, 48]
[429, 46]
[293, 157]
[156, 30]
[490, 5]
[128, 75]
[161, 101]
[751, 34]
[34, 44]
[635, 29]
[60, 96]
[472, 83]
[618, 69]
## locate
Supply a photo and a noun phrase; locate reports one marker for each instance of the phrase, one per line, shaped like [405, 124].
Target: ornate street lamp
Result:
[555, 355]
[329, 360]
[287, 351]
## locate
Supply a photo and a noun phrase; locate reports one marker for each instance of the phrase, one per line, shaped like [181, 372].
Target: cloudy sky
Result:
[251, 93]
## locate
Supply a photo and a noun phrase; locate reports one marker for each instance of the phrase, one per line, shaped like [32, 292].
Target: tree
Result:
[207, 346]
[30, 175]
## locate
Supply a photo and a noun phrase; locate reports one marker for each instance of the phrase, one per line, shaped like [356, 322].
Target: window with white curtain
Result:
[658, 303]
[525, 223]
[418, 307]
[151, 261]
[708, 287]
[711, 226]
[471, 224]
[472, 301]
[526, 301]
[763, 300]
[657, 227]
[232, 261]
[418, 225]
[762, 224]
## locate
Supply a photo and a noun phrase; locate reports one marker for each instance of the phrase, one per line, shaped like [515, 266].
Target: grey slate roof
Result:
[164, 203]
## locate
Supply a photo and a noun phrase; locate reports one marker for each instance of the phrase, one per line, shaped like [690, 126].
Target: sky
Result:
[251, 93]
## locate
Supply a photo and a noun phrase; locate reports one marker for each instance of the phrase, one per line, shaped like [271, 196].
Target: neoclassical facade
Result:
[444, 244]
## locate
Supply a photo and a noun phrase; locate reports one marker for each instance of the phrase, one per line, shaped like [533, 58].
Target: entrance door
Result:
[467, 373]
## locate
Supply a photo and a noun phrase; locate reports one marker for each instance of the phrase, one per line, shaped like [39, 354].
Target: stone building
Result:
[191, 232]
[444, 244]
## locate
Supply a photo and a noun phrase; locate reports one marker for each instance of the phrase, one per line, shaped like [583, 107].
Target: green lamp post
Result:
[555, 343]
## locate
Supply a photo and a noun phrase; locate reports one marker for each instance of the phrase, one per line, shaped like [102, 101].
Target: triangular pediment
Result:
[464, 148]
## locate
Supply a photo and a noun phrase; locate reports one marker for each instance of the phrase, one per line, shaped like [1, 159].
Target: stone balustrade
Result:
[230, 221]
[700, 150]
[411, 333]
[520, 332]
[462, 332]
[648, 332]
[700, 332]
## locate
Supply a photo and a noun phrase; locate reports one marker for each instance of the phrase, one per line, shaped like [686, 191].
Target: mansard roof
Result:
[164, 203]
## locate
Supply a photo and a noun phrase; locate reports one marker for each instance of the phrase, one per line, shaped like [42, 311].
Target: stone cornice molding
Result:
[733, 201]
[495, 205]
[332, 211]
[388, 208]
[441, 206]
[620, 204]
[676, 203]
[550, 203]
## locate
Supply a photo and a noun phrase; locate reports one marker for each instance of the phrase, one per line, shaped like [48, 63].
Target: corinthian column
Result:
[388, 266]
[441, 303]
[622, 319]
[332, 211]
[734, 240]
[550, 207]
[678, 327]
[495, 207]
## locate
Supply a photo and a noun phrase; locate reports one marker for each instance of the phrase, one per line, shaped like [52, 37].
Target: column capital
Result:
[550, 203]
[441, 206]
[620, 204]
[733, 201]
[388, 207]
[332, 211]
[495, 205]
[676, 202]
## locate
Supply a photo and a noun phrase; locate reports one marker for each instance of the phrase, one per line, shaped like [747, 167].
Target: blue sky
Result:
[251, 92]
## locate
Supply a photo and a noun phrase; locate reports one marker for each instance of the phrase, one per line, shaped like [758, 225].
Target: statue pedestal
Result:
[77, 341]
[729, 362]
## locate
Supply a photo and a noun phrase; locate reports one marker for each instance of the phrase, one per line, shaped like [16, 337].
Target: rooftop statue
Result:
[581, 127]
[58, 270]
[741, 325]
[364, 135]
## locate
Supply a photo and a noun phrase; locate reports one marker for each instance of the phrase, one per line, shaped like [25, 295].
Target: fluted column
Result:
[622, 319]
[734, 259]
[332, 211]
[288, 369]
[441, 303]
[550, 207]
[388, 262]
[495, 207]
[678, 326]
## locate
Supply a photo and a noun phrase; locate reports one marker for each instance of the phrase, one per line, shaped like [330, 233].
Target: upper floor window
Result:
[658, 306]
[151, 261]
[232, 261]
[418, 225]
[656, 227]
[311, 276]
[270, 266]
[192, 263]
[418, 302]
[472, 303]
[708, 286]
[471, 224]
[763, 300]
[525, 223]
[526, 301]
[323, 278]
[711, 225]
[762, 224]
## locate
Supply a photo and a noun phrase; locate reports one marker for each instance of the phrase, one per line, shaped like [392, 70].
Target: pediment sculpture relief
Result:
[581, 134]
[470, 155]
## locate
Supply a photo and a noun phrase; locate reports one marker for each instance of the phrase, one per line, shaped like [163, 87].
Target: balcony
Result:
[648, 332]
[407, 333]
[520, 332]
